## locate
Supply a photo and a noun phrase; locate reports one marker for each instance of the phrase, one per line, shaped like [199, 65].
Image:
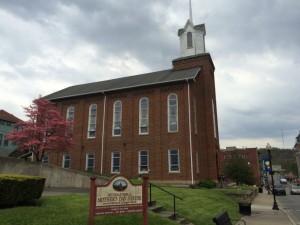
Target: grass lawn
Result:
[199, 206]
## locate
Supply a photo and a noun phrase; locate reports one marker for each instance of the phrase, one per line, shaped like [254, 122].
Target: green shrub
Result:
[207, 184]
[20, 190]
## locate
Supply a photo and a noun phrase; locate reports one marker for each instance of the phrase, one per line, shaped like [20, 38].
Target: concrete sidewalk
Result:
[263, 214]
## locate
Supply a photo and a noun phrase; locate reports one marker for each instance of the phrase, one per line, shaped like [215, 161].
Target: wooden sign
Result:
[118, 196]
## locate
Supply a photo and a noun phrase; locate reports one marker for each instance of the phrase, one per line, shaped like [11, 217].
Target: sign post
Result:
[92, 200]
[145, 200]
[118, 196]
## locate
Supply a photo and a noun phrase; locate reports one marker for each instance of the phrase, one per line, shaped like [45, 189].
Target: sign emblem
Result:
[120, 185]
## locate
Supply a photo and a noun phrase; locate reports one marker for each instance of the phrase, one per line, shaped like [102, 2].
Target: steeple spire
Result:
[191, 15]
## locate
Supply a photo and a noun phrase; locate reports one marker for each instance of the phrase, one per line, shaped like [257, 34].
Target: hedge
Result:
[20, 190]
[207, 184]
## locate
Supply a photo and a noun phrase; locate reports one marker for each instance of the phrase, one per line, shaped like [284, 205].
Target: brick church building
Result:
[163, 123]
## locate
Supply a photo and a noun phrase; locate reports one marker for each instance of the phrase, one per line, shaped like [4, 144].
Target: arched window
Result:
[70, 113]
[117, 119]
[70, 117]
[66, 161]
[172, 113]
[45, 159]
[174, 163]
[92, 121]
[144, 116]
[115, 162]
[189, 38]
[90, 159]
[143, 161]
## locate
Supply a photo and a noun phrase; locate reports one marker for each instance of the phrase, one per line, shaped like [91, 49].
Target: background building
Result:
[297, 143]
[247, 154]
[7, 124]
[297, 148]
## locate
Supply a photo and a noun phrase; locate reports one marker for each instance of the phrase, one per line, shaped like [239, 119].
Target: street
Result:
[291, 204]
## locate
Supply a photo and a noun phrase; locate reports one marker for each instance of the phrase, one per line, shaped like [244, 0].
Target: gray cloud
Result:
[48, 45]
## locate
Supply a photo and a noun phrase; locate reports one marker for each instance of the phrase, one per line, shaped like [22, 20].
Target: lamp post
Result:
[275, 206]
[260, 172]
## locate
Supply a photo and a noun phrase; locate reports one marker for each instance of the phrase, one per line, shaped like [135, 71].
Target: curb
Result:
[289, 217]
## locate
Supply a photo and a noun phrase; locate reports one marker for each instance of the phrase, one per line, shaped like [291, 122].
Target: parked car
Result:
[283, 181]
[295, 190]
[279, 189]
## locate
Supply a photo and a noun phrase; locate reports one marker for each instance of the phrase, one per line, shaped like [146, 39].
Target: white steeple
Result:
[192, 37]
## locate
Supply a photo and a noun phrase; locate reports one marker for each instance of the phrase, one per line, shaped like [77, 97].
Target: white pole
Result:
[191, 16]
[103, 130]
[190, 131]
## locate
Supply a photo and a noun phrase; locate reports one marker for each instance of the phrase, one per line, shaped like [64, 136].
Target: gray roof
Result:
[154, 78]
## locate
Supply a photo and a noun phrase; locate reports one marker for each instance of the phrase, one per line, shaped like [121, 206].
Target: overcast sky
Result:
[46, 46]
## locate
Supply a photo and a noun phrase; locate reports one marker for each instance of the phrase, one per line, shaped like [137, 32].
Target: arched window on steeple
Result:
[189, 39]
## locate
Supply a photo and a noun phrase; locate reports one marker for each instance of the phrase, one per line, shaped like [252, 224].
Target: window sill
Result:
[174, 172]
[171, 131]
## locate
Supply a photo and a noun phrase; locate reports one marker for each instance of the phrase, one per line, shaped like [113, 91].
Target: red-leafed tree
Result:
[45, 131]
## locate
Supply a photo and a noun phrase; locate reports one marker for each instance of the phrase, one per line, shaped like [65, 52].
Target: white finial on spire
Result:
[191, 16]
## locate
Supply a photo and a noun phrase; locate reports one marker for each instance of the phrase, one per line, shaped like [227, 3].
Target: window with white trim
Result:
[189, 39]
[70, 119]
[70, 114]
[214, 118]
[174, 163]
[144, 116]
[90, 160]
[172, 113]
[117, 118]
[115, 162]
[92, 121]
[66, 161]
[143, 161]
[45, 159]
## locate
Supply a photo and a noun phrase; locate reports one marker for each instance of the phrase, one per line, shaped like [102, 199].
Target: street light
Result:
[275, 206]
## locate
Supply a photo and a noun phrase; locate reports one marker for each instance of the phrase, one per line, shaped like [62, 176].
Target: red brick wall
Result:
[204, 91]
[159, 140]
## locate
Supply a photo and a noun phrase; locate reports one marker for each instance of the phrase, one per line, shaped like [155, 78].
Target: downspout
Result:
[103, 130]
[190, 133]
